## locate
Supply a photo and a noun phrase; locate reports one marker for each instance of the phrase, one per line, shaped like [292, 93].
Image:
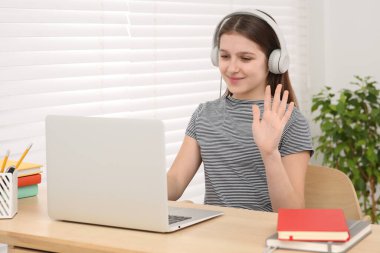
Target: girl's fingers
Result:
[282, 108]
[276, 98]
[288, 113]
[256, 115]
[267, 99]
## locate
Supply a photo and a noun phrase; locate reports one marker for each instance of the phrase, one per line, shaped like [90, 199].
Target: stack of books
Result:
[320, 230]
[29, 176]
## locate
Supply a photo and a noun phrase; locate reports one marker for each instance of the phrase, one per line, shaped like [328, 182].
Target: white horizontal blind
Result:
[118, 58]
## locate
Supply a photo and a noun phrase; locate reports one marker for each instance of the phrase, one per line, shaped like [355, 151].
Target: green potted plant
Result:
[350, 137]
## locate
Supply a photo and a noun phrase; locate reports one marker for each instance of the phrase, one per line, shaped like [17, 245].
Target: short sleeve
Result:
[191, 127]
[297, 136]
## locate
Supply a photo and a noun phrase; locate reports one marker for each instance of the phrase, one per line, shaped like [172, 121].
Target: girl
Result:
[253, 141]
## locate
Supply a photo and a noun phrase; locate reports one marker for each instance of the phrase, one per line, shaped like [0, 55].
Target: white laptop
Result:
[111, 171]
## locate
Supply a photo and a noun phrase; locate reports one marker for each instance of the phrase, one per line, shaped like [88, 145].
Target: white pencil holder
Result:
[8, 195]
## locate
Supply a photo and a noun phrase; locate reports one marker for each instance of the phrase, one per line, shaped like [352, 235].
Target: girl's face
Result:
[243, 65]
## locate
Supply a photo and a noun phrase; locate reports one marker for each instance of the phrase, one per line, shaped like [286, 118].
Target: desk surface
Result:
[236, 231]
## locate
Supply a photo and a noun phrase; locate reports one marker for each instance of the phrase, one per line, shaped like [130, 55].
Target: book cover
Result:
[358, 230]
[23, 165]
[312, 224]
[29, 180]
[27, 191]
[28, 172]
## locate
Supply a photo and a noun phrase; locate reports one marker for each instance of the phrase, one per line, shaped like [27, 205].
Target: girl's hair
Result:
[258, 31]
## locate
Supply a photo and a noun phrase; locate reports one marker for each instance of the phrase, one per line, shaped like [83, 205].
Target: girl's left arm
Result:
[285, 175]
[286, 179]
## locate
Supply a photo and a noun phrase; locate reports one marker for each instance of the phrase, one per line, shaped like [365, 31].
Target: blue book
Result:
[27, 191]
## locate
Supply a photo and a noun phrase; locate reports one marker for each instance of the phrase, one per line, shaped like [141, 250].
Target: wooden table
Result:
[236, 231]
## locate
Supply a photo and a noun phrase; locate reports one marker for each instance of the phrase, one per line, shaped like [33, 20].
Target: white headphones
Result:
[278, 62]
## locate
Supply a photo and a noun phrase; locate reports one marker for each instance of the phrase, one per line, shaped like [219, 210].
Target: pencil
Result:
[4, 161]
[23, 156]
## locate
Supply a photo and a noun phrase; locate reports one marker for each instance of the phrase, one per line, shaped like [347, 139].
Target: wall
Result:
[344, 41]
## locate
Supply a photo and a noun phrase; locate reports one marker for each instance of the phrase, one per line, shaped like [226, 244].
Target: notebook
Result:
[359, 229]
[111, 171]
[312, 225]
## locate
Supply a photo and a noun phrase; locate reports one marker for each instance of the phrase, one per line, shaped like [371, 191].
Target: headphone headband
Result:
[278, 61]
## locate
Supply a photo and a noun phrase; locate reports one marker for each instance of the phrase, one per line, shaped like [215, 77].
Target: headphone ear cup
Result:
[278, 62]
[274, 61]
[215, 56]
[284, 63]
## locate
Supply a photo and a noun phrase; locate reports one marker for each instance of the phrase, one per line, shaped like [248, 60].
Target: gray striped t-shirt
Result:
[234, 170]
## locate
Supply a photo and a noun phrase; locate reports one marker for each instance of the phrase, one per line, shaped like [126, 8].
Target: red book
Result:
[29, 180]
[312, 225]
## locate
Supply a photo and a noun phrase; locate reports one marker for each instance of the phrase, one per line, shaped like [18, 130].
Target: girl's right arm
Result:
[184, 168]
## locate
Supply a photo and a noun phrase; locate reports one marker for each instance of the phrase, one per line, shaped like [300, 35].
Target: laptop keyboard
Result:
[175, 218]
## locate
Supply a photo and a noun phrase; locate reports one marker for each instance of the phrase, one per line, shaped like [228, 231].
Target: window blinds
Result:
[118, 58]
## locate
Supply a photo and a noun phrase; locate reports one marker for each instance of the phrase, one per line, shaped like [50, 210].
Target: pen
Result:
[4, 161]
[23, 156]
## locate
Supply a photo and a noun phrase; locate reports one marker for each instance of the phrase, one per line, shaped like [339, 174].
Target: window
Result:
[118, 58]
